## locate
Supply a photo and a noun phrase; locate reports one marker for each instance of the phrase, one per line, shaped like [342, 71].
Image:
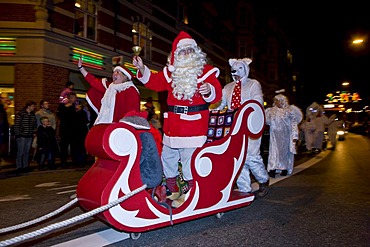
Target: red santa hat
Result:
[124, 71]
[182, 39]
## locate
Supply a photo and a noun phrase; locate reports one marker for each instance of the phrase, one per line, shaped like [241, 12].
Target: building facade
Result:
[41, 41]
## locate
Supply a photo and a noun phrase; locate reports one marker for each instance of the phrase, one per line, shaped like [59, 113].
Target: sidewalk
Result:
[8, 166]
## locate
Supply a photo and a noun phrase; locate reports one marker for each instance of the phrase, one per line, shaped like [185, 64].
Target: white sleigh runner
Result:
[215, 168]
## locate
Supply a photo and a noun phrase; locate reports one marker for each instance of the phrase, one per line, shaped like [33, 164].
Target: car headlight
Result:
[340, 132]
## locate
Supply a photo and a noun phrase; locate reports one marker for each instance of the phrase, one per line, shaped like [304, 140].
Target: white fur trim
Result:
[171, 68]
[186, 41]
[212, 95]
[91, 104]
[124, 71]
[191, 117]
[184, 142]
[206, 75]
[165, 73]
[136, 126]
[145, 77]
[104, 82]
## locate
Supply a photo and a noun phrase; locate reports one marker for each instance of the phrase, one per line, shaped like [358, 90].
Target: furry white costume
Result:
[283, 120]
[316, 114]
[250, 90]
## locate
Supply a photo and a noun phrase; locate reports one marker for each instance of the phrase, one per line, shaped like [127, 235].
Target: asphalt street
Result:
[324, 203]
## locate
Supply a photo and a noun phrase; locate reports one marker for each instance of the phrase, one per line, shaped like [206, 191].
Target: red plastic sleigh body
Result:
[215, 168]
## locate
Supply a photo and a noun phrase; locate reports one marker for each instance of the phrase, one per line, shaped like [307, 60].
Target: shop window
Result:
[85, 19]
[7, 99]
[142, 38]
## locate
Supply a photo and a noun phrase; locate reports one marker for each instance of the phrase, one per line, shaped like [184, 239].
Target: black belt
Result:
[178, 109]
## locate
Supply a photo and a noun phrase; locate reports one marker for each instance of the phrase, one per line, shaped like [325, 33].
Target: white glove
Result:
[205, 89]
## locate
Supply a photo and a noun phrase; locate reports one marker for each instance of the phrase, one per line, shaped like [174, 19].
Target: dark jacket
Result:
[67, 116]
[25, 124]
[46, 138]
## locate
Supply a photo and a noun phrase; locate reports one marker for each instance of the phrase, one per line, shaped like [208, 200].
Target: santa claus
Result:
[192, 85]
[111, 100]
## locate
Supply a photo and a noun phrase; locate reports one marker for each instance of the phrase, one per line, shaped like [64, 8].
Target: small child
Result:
[46, 143]
[63, 95]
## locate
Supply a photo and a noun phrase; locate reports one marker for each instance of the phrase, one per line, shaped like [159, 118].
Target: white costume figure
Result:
[332, 131]
[283, 120]
[316, 113]
[192, 85]
[250, 90]
[308, 128]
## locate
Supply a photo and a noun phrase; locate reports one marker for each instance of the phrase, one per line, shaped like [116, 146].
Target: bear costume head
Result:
[239, 68]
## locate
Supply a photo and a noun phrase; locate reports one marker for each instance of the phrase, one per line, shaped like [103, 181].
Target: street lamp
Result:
[357, 41]
[346, 83]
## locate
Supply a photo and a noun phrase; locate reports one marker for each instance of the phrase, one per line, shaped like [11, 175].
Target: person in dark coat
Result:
[4, 131]
[67, 128]
[24, 130]
[81, 129]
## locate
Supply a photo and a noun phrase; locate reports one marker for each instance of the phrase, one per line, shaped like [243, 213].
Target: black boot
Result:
[272, 173]
[263, 190]
[284, 173]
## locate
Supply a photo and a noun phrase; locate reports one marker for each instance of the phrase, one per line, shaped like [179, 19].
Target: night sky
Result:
[321, 34]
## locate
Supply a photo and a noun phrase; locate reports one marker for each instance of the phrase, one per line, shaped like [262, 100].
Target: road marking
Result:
[50, 184]
[14, 198]
[65, 192]
[98, 239]
[65, 187]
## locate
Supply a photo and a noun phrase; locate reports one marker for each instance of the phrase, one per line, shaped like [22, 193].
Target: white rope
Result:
[42, 218]
[69, 221]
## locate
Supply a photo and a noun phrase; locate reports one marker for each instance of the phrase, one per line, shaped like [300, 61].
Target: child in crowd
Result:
[63, 95]
[46, 144]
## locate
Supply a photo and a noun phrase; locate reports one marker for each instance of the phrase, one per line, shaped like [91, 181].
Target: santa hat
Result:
[125, 71]
[136, 119]
[181, 40]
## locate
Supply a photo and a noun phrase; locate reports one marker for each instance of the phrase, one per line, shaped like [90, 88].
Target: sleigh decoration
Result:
[215, 168]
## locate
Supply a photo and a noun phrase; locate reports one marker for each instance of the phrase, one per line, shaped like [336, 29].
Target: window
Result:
[245, 48]
[85, 19]
[142, 37]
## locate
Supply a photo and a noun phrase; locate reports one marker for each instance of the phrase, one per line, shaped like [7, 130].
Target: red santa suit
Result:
[188, 127]
[112, 101]
[186, 121]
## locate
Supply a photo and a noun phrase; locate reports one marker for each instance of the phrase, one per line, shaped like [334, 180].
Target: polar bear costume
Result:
[250, 90]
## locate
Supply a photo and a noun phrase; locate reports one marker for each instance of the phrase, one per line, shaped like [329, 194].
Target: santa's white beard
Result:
[185, 77]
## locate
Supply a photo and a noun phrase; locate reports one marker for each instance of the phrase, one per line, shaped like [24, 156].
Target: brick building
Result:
[41, 40]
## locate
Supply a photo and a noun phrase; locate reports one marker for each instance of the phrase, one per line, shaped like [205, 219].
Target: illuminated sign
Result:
[343, 97]
[89, 58]
[7, 46]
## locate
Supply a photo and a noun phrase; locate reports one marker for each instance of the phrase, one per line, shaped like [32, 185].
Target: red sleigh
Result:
[215, 168]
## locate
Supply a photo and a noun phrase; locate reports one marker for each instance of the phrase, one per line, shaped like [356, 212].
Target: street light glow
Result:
[357, 41]
[345, 83]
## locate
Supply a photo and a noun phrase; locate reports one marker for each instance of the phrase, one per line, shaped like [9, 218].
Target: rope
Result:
[70, 221]
[32, 222]
[164, 205]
